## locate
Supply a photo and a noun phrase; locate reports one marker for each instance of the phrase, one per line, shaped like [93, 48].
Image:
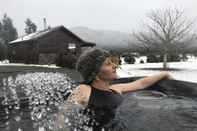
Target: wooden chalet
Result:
[44, 47]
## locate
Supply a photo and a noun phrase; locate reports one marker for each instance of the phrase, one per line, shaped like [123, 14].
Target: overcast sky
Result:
[121, 15]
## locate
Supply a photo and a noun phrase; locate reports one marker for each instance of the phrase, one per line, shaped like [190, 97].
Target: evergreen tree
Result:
[0, 32]
[2, 50]
[8, 31]
[30, 26]
[1, 42]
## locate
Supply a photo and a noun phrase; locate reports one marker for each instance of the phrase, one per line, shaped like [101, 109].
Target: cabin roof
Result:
[38, 34]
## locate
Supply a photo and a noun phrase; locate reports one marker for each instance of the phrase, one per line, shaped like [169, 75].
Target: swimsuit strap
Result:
[114, 91]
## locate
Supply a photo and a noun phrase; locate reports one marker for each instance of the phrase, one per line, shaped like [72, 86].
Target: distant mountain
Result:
[104, 38]
[108, 39]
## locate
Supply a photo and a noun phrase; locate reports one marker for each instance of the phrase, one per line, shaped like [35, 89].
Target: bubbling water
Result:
[31, 101]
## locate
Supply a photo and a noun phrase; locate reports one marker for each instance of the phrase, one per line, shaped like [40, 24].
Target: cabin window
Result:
[71, 46]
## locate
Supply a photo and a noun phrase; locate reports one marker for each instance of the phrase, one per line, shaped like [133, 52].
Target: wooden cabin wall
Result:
[57, 42]
[49, 45]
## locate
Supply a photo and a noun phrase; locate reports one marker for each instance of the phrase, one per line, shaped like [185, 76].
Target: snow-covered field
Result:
[6, 62]
[187, 72]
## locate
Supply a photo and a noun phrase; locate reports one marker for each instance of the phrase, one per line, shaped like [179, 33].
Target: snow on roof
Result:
[38, 34]
[30, 36]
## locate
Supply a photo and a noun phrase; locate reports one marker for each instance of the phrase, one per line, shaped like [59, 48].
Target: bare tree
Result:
[166, 31]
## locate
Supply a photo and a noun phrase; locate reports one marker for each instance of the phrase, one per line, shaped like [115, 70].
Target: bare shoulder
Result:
[80, 94]
[82, 89]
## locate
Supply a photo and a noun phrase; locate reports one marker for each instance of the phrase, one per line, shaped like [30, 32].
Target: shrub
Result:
[66, 60]
[171, 57]
[142, 61]
[184, 57]
[130, 59]
[152, 58]
[174, 58]
[2, 51]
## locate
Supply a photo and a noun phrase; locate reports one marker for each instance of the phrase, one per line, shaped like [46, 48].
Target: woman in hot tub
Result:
[98, 69]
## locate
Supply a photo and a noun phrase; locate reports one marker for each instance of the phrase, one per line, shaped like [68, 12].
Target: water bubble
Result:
[41, 129]
[17, 118]
[66, 120]
[19, 129]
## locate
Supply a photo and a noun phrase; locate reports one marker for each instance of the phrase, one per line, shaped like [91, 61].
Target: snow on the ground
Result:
[4, 61]
[188, 70]
[29, 65]
[144, 58]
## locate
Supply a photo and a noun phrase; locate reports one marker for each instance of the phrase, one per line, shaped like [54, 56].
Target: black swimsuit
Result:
[103, 104]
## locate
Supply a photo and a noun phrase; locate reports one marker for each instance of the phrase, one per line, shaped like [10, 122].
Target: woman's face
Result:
[108, 69]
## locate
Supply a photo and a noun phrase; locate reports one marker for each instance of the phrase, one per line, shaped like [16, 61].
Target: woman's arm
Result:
[141, 83]
[80, 95]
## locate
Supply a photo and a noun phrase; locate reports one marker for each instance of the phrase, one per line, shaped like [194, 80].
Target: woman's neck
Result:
[102, 85]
